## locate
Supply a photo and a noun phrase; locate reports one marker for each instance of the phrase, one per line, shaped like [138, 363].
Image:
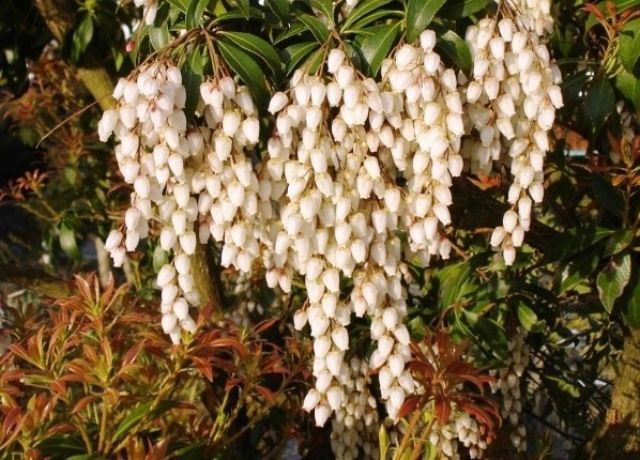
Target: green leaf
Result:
[608, 196]
[618, 242]
[629, 86]
[383, 442]
[317, 28]
[159, 36]
[254, 13]
[526, 316]
[599, 104]
[376, 47]
[573, 242]
[160, 258]
[629, 50]
[258, 47]
[131, 420]
[325, 7]
[456, 281]
[192, 77]
[577, 271]
[195, 12]
[243, 6]
[358, 27]
[68, 241]
[612, 280]
[456, 49]
[247, 69]
[296, 53]
[82, 36]
[280, 8]
[630, 300]
[456, 9]
[314, 61]
[362, 10]
[296, 29]
[419, 16]
[565, 386]
[182, 5]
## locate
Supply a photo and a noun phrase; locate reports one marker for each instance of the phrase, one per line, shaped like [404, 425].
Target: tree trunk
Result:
[619, 436]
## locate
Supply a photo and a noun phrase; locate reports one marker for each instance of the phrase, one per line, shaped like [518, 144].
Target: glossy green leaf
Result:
[313, 62]
[526, 316]
[383, 441]
[280, 9]
[325, 7]
[68, 241]
[258, 47]
[317, 27]
[192, 77]
[195, 12]
[294, 54]
[456, 49]
[362, 10]
[235, 15]
[630, 300]
[577, 271]
[573, 242]
[376, 16]
[612, 280]
[296, 29]
[159, 36]
[247, 69]
[131, 420]
[608, 196]
[629, 85]
[618, 242]
[182, 5]
[82, 36]
[420, 13]
[629, 50]
[376, 47]
[599, 104]
[243, 6]
[456, 9]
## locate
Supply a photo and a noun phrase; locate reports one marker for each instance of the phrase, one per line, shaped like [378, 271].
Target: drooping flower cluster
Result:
[186, 180]
[425, 150]
[462, 431]
[352, 435]
[333, 221]
[508, 384]
[352, 164]
[511, 100]
[150, 127]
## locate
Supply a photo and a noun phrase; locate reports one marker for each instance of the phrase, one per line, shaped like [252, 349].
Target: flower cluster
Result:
[352, 164]
[353, 433]
[150, 127]
[508, 379]
[334, 221]
[462, 431]
[195, 183]
[511, 100]
[425, 150]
